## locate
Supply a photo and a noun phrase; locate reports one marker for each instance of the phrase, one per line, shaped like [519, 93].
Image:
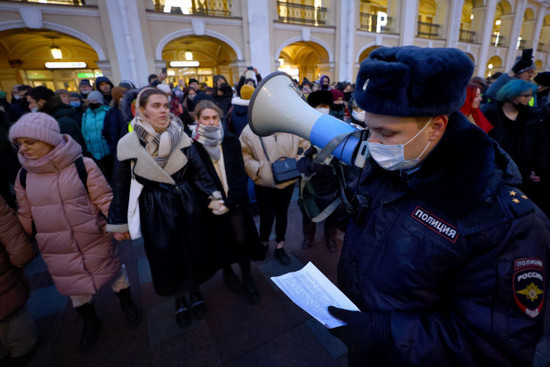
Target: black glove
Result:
[307, 166]
[364, 330]
[525, 61]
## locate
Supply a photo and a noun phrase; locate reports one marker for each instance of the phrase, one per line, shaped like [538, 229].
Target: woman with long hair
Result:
[235, 230]
[160, 156]
[471, 110]
[519, 131]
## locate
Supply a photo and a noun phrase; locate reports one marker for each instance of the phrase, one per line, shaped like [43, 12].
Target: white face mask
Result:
[17, 97]
[323, 110]
[392, 157]
[358, 116]
[35, 109]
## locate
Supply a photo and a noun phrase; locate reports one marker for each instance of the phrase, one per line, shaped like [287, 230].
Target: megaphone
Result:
[278, 106]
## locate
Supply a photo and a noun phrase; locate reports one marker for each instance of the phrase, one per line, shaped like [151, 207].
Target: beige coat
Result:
[277, 145]
[15, 251]
[71, 235]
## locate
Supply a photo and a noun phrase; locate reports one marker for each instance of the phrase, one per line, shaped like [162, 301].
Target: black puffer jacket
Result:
[449, 263]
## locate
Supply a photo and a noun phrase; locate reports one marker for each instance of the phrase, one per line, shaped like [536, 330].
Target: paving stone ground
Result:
[274, 332]
[233, 334]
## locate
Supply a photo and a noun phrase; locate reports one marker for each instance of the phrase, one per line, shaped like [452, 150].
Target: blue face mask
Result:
[75, 104]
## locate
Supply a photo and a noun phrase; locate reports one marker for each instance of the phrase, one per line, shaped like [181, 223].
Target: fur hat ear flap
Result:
[411, 81]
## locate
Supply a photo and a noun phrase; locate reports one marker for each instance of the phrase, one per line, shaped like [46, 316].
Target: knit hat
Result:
[165, 88]
[336, 94]
[411, 81]
[85, 82]
[95, 96]
[38, 126]
[247, 91]
[319, 97]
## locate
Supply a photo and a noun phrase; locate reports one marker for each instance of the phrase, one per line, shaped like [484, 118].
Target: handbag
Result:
[134, 222]
[283, 169]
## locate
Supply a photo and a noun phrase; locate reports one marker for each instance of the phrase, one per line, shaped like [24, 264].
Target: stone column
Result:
[514, 34]
[348, 19]
[486, 13]
[126, 41]
[534, 40]
[453, 22]
[409, 22]
[259, 26]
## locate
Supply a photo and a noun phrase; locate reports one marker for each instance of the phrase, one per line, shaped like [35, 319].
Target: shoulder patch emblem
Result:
[528, 285]
[437, 225]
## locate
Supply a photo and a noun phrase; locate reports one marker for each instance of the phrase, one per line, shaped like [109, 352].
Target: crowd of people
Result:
[168, 163]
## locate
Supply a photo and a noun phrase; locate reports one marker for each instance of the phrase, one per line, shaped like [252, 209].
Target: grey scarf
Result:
[211, 138]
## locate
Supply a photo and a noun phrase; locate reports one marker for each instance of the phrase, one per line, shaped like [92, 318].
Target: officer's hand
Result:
[310, 152]
[305, 166]
[357, 333]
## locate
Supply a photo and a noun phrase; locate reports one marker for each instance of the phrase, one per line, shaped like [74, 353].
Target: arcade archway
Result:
[199, 57]
[305, 59]
[45, 57]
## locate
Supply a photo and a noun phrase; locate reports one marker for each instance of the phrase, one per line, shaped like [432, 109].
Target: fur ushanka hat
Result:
[411, 81]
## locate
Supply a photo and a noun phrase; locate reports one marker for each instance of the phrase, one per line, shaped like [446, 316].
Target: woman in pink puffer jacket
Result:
[64, 198]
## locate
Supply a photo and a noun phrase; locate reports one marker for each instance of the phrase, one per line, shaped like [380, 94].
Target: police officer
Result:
[444, 256]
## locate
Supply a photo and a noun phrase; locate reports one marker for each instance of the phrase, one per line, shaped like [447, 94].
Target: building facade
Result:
[58, 43]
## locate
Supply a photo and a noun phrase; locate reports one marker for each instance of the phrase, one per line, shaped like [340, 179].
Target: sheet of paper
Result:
[314, 292]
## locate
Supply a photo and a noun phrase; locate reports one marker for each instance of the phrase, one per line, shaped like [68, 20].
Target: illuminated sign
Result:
[381, 21]
[85, 75]
[184, 64]
[65, 65]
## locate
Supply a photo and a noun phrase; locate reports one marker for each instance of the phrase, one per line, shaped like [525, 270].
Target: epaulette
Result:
[516, 201]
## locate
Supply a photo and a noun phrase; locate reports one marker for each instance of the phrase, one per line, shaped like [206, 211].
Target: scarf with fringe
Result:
[211, 138]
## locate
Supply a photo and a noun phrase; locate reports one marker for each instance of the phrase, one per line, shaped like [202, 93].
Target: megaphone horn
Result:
[278, 106]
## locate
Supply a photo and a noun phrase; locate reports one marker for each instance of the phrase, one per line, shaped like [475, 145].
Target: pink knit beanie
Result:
[38, 126]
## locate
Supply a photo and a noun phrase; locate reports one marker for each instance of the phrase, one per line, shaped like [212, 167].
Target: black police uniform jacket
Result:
[170, 217]
[449, 260]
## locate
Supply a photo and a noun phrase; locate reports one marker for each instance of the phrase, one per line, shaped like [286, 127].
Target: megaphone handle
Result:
[298, 91]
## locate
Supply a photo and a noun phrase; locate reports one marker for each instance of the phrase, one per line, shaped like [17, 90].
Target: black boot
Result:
[183, 313]
[90, 332]
[251, 291]
[197, 304]
[230, 279]
[131, 313]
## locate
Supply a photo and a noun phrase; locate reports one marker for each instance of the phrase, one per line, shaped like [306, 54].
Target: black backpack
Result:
[80, 168]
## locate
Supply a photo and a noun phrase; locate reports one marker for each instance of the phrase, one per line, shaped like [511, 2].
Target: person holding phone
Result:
[244, 80]
[524, 69]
